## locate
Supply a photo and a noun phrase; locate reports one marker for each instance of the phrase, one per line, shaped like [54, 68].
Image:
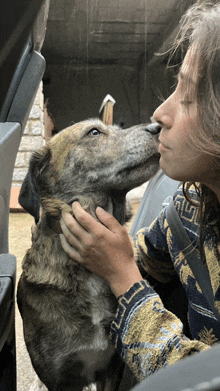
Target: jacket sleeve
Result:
[153, 255]
[147, 336]
[156, 249]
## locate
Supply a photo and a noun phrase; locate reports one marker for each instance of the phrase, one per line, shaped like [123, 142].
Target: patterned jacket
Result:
[147, 336]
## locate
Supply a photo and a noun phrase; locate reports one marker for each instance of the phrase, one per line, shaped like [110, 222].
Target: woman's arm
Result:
[146, 335]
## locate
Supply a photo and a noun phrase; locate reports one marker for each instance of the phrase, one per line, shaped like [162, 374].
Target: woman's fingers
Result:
[85, 220]
[90, 224]
[70, 229]
[70, 250]
[103, 246]
[108, 220]
[76, 235]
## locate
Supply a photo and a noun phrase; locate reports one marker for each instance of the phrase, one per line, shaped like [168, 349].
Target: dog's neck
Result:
[121, 208]
[114, 204]
[54, 224]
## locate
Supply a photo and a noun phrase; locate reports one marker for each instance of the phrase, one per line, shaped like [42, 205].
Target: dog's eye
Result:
[94, 132]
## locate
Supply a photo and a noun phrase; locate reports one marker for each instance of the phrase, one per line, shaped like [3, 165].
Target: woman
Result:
[146, 335]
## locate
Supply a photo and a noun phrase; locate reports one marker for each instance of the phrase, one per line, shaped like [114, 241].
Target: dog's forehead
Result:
[74, 132]
[63, 141]
[81, 128]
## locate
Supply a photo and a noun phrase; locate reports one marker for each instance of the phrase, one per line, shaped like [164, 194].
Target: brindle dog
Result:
[66, 309]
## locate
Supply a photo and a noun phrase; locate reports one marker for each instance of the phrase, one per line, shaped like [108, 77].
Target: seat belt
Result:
[189, 251]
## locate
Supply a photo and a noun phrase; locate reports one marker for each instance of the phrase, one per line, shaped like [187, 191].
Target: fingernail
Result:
[99, 209]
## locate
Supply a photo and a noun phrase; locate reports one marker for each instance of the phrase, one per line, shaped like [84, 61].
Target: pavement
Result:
[19, 242]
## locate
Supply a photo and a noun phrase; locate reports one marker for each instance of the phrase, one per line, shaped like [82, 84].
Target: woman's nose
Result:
[154, 128]
[164, 114]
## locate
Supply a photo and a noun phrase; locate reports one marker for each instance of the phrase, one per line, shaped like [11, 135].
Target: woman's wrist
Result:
[120, 285]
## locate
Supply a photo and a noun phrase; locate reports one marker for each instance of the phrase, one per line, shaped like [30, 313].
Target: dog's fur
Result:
[66, 309]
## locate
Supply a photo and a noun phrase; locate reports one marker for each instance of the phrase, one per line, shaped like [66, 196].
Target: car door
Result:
[22, 31]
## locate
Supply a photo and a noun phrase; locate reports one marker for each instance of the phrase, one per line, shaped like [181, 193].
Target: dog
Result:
[66, 309]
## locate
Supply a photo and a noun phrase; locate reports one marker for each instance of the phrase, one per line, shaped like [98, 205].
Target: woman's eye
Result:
[94, 132]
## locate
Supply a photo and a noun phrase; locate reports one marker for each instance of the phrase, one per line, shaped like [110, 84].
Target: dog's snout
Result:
[154, 128]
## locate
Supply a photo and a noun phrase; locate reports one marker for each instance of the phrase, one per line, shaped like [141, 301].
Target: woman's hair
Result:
[200, 34]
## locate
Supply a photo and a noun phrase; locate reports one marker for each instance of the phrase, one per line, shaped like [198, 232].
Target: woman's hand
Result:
[105, 248]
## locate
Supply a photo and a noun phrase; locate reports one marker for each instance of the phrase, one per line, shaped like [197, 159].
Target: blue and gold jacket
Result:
[148, 336]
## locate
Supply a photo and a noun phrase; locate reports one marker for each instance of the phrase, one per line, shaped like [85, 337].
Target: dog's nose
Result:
[154, 128]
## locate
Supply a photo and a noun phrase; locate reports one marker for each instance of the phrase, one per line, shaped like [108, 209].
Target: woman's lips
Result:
[163, 148]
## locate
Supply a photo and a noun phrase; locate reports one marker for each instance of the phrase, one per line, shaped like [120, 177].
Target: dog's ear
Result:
[35, 183]
[39, 168]
[29, 199]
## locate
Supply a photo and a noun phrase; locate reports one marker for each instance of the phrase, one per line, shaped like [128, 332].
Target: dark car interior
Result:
[21, 69]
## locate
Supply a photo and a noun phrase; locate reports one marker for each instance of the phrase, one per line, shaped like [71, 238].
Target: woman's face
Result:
[179, 119]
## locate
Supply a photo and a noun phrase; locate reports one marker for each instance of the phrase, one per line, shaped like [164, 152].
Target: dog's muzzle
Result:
[154, 128]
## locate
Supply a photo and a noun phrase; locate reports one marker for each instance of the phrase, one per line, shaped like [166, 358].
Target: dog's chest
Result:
[101, 300]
